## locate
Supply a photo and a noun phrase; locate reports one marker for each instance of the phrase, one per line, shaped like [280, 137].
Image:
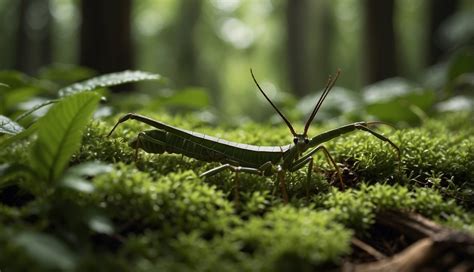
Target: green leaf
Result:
[74, 176]
[396, 100]
[77, 183]
[403, 108]
[14, 79]
[107, 81]
[101, 224]
[60, 132]
[18, 95]
[46, 250]
[90, 169]
[4, 85]
[8, 126]
[17, 137]
[462, 62]
[190, 98]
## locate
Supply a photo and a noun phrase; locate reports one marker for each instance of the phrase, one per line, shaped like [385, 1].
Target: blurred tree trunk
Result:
[187, 70]
[297, 53]
[321, 36]
[440, 10]
[33, 35]
[380, 39]
[106, 44]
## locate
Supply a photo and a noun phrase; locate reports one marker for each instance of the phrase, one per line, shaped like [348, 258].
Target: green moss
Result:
[168, 218]
[175, 203]
[289, 238]
[356, 208]
[284, 239]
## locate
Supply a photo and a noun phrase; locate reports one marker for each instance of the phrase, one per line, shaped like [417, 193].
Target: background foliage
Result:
[209, 46]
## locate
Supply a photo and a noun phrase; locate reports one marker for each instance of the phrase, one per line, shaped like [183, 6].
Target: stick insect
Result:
[238, 157]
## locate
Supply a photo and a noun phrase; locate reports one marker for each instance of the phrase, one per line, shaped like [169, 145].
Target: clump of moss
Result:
[186, 252]
[179, 202]
[284, 239]
[356, 208]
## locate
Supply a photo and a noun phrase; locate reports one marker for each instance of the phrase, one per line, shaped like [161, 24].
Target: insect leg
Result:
[385, 139]
[266, 168]
[282, 183]
[331, 134]
[230, 167]
[308, 158]
[308, 176]
[138, 144]
[236, 170]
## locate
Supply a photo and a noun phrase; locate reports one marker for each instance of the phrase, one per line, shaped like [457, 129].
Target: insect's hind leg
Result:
[236, 170]
[138, 144]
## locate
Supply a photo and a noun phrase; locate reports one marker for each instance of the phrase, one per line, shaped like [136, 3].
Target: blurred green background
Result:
[401, 60]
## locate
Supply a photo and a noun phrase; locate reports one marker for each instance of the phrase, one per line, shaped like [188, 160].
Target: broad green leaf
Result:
[90, 169]
[8, 126]
[190, 98]
[396, 100]
[46, 250]
[14, 79]
[456, 103]
[108, 80]
[462, 62]
[74, 176]
[60, 132]
[77, 183]
[15, 96]
[403, 108]
[100, 224]
[19, 136]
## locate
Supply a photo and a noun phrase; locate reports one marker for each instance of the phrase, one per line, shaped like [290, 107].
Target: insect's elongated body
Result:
[204, 147]
[238, 157]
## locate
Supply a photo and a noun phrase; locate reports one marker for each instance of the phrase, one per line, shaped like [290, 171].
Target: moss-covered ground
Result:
[156, 214]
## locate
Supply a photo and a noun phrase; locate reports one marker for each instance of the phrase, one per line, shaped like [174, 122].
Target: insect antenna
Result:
[327, 88]
[273, 105]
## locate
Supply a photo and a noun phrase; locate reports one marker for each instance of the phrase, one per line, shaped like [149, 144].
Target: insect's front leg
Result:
[364, 126]
[232, 168]
[236, 170]
[308, 159]
[281, 182]
[269, 168]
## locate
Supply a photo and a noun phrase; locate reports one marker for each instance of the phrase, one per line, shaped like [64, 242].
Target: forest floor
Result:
[154, 212]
